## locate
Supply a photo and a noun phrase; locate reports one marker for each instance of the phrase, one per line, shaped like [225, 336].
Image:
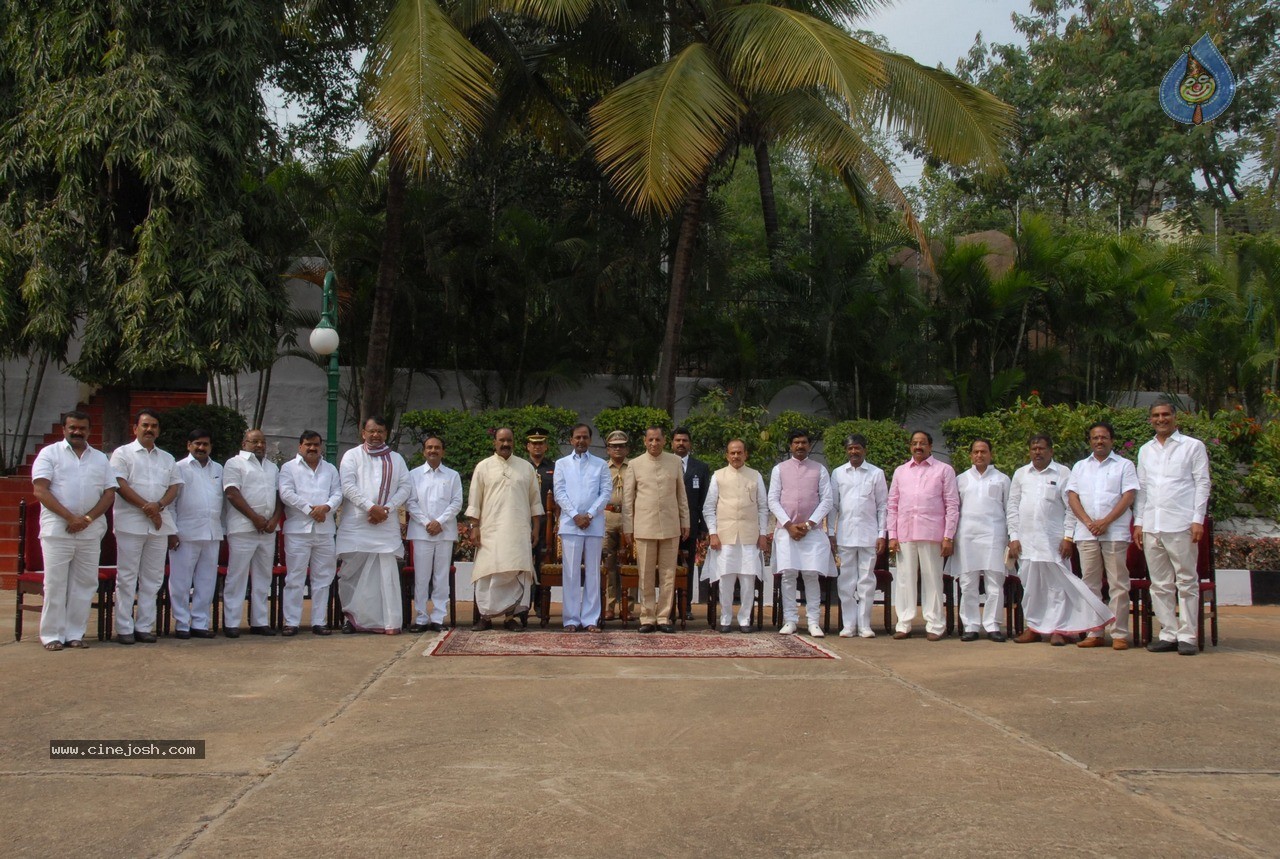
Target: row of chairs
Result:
[31, 583]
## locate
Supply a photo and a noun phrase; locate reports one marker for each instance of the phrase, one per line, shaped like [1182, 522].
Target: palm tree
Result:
[783, 71]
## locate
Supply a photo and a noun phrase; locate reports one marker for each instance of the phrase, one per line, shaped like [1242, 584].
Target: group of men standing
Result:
[656, 504]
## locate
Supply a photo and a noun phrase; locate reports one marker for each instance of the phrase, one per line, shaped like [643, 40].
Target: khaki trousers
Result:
[659, 555]
[1097, 556]
[612, 564]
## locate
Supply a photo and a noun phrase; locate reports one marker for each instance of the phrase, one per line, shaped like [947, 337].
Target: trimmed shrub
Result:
[468, 437]
[887, 443]
[633, 420]
[225, 425]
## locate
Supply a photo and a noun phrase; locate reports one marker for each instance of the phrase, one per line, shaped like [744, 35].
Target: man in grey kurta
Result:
[503, 503]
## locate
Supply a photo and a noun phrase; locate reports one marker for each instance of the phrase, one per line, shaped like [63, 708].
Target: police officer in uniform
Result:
[618, 446]
[536, 442]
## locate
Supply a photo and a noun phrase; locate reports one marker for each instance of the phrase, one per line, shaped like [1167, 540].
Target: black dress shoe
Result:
[724, 627]
[969, 636]
[321, 630]
[482, 625]
[231, 633]
[261, 630]
[667, 628]
[182, 634]
[202, 633]
[434, 627]
[348, 628]
[1186, 648]
[126, 638]
[144, 637]
[647, 627]
[289, 631]
[1162, 646]
[524, 619]
[996, 636]
[419, 627]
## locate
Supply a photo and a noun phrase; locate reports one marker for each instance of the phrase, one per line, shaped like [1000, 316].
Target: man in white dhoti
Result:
[250, 483]
[375, 483]
[1103, 486]
[433, 507]
[1055, 602]
[310, 490]
[75, 485]
[193, 562]
[857, 525]
[505, 513]
[736, 514]
[1173, 497]
[582, 489]
[149, 480]
[982, 541]
[800, 499]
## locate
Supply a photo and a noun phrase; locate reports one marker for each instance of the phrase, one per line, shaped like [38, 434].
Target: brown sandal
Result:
[512, 624]
[77, 644]
[53, 645]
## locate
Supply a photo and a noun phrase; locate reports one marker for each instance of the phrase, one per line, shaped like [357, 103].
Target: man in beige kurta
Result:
[505, 513]
[655, 514]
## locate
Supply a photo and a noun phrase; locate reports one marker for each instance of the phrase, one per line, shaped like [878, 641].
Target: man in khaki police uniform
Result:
[618, 445]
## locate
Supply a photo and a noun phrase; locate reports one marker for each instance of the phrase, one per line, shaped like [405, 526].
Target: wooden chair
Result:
[1139, 595]
[1207, 574]
[275, 592]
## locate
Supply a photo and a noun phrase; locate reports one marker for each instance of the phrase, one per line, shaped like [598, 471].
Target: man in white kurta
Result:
[1055, 602]
[193, 562]
[800, 499]
[982, 542]
[75, 485]
[310, 491]
[435, 500]
[250, 484]
[857, 525]
[1103, 487]
[582, 488]
[505, 511]
[1173, 497]
[736, 514]
[148, 483]
[375, 483]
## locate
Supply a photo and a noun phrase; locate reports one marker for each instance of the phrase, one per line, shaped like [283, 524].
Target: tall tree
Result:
[794, 70]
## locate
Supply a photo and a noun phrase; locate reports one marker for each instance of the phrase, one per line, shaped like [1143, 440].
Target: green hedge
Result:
[888, 443]
[225, 425]
[633, 420]
[468, 437]
[1229, 437]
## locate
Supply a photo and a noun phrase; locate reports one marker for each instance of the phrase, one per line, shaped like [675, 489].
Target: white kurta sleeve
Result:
[709, 506]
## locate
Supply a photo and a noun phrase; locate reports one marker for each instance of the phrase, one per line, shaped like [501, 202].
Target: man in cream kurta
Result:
[375, 483]
[433, 507]
[982, 539]
[149, 482]
[655, 515]
[1055, 602]
[736, 513]
[859, 512]
[505, 512]
[582, 489]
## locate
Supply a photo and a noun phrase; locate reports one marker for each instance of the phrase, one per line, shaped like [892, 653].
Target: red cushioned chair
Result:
[1207, 573]
[275, 593]
[1139, 594]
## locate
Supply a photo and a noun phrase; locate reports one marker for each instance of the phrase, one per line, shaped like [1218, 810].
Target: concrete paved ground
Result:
[361, 745]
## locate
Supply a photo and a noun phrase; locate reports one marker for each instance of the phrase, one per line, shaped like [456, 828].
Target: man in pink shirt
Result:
[924, 508]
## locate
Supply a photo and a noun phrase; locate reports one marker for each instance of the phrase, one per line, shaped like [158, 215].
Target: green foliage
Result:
[712, 425]
[887, 443]
[468, 436]
[226, 427]
[633, 420]
[1227, 436]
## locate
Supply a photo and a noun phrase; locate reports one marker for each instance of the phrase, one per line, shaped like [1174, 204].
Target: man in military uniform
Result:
[618, 445]
[536, 446]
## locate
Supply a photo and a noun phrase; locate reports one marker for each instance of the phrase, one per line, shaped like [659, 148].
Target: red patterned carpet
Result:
[700, 645]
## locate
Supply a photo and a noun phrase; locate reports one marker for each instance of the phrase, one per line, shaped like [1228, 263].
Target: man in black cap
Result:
[536, 446]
